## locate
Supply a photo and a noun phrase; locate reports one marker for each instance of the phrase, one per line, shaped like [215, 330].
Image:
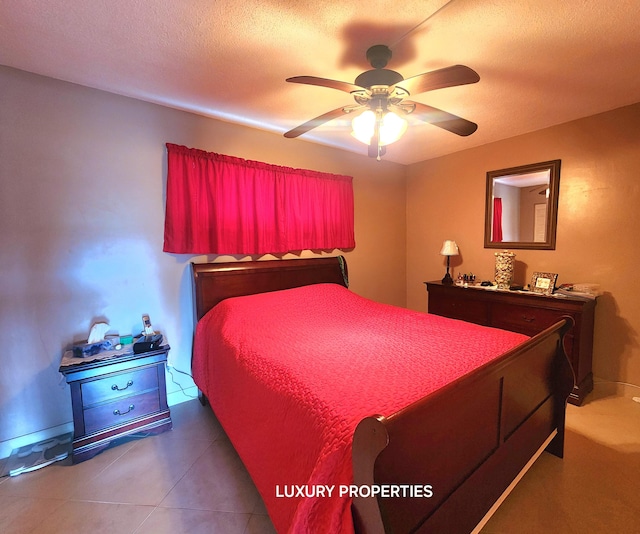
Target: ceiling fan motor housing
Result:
[378, 56]
[378, 77]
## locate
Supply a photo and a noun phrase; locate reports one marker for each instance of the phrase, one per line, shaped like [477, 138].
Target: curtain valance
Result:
[219, 204]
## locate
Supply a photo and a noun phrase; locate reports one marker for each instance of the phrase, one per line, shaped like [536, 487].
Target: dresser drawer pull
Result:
[116, 388]
[528, 319]
[118, 412]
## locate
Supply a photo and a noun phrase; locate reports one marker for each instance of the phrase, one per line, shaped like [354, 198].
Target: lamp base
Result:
[447, 279]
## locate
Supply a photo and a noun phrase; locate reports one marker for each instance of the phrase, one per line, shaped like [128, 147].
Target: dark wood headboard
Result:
[213, 282]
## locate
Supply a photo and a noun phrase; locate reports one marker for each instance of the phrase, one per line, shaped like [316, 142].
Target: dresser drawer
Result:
[120, 411]
[111, 387]
[524, 319]
[473, 311]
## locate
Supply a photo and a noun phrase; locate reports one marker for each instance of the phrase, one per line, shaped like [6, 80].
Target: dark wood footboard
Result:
[465, 444]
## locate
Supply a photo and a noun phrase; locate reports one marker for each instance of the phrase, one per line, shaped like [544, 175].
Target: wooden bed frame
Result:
[471, 440]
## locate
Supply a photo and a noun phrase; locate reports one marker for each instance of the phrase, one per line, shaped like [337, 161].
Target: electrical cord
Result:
[170, 369]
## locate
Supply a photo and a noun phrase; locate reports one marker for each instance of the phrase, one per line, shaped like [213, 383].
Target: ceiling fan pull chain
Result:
[377, 133]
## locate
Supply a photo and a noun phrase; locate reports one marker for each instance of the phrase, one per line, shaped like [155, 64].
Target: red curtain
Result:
[496, 235]
[220, 204]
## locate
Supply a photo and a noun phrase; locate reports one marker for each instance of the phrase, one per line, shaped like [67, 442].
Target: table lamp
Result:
[449, 248]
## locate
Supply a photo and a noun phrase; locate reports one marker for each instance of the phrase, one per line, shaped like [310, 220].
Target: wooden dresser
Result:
[527, 313]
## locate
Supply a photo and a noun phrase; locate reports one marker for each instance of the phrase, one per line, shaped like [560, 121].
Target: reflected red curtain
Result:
[219, 204]
[496, 234]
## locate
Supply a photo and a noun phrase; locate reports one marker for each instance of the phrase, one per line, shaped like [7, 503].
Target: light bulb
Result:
[391, 127]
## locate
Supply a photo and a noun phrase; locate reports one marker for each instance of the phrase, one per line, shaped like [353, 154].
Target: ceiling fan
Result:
[544, 189]
[381, 94]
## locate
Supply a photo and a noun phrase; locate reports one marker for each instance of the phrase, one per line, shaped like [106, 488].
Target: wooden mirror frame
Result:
[552, 206]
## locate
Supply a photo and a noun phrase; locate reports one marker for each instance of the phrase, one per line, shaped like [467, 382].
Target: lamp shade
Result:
[392, 127]
[449, 248]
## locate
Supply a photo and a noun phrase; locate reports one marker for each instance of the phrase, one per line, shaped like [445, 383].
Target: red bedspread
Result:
[290, 374]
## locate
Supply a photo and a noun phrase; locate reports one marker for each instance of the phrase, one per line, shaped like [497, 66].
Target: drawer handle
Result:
[118, 412]
[528, 319]
[116, 388]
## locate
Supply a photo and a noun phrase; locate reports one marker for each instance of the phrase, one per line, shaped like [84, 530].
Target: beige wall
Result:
[598, 220]
[82, 176]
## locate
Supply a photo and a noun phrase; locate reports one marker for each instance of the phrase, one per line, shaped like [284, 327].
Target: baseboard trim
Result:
[513, 484]
[6, 447]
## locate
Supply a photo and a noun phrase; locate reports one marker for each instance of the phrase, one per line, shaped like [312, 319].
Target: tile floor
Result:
[191, 481]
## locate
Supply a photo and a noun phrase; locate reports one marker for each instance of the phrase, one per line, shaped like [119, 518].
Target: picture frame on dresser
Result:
[544, 283]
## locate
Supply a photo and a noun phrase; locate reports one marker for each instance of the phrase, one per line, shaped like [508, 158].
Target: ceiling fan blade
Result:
[442, 119]
[325, 82]
[318, 121]
[438, 79]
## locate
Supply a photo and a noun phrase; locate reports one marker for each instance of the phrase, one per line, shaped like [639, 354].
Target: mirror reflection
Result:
[522, 206]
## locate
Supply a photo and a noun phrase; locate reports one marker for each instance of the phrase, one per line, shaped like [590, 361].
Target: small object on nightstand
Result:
[147, 343]
[126, 339]
[147, 329]
[95, 343]
[114, 339]
[84, 350]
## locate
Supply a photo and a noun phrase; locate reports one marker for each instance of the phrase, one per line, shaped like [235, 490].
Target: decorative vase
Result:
[505, 261]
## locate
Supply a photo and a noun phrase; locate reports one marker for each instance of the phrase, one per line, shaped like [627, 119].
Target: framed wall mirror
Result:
[522, 207]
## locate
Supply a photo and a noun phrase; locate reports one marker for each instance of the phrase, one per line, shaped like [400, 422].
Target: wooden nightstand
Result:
[112, 398]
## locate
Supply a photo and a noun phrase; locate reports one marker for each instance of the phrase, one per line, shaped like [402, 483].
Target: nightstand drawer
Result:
[120, 411]
[524, 319]
[117, 385]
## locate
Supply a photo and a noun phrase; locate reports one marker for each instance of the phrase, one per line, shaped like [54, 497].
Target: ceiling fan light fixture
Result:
[379, 90]
[392, 127]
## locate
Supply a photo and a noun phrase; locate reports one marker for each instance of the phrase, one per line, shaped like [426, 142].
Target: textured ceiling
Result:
[541, 62]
